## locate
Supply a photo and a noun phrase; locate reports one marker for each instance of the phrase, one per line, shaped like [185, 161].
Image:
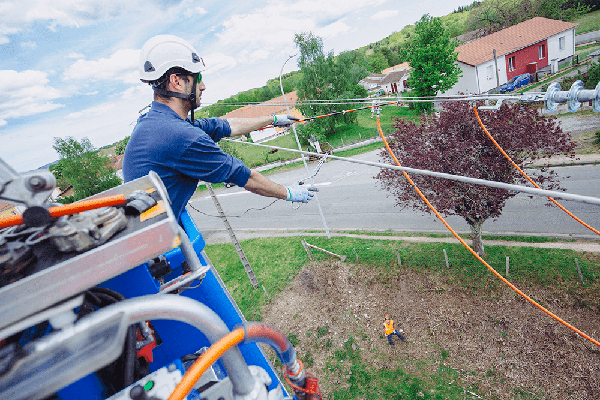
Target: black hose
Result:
[116, 295]
[130, 355]
[102, 297]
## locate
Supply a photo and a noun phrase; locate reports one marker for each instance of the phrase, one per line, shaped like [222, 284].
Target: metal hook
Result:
[494, 107]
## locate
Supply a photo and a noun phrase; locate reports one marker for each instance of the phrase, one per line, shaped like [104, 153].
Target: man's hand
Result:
[301, 194]
[284, 120]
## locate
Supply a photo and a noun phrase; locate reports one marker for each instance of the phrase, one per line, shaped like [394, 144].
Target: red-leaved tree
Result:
[453, 142]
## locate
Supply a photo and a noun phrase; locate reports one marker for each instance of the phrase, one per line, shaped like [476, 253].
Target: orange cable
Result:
[457, 236]
[85, 205]
[74, 208]
[205, 361]
[12, 220]
[527, 176]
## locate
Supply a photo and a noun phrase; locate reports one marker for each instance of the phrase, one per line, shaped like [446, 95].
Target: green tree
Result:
[494, 15]
[325, 77]
[377, 62]
[391, 56]
[432, 59]
[593, 76]
[83, 167]
[57, 169]
[453, 141]
[120, 147]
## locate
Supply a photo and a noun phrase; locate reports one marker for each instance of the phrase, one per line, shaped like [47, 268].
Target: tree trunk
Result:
[476, 236]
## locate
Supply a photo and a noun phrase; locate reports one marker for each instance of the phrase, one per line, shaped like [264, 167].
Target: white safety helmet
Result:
[167, 51]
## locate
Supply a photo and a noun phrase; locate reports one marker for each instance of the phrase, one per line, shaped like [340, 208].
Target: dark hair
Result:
[161, 83]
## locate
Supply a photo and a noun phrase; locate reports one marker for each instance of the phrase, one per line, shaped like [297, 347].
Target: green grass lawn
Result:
[254, 156]
[588, 22]
[366, 127]
[276, 262]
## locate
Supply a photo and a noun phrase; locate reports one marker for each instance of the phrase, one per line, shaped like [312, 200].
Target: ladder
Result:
[236, 243]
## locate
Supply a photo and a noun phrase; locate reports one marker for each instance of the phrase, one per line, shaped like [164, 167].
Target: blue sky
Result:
[69, 68]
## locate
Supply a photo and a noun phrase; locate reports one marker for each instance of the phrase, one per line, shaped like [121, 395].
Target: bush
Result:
[120, 147]
[597, 138]
[593, 76]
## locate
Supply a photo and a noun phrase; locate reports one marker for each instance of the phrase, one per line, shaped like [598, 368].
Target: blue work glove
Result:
[301, 194]
[284, 120]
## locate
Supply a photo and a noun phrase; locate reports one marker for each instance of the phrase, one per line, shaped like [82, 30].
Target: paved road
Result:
[351, 199]
[588, 37]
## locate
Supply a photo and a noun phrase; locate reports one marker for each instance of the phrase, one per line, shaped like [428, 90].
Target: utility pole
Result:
[312, 182]
[234, 240]
[496, 72]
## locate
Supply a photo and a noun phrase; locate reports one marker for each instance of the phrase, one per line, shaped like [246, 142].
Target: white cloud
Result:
[333, 29]
[121, 66]
[385, 14]
[16, 15]
[29, 45]
[190, 12]
[260, 54]
[274, 26]
[101, 109]
[26, 93]
[218, 62]
[326, 10]
[30, 146]
[75, 55]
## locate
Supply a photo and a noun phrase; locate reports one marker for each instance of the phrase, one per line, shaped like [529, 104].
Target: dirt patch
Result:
[582, 129]
[496, 341]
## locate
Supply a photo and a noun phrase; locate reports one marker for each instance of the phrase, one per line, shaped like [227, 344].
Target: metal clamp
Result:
[29, 189]
[89, 229]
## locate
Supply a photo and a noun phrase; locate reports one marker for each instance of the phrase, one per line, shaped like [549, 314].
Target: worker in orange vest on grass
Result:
[388, 325]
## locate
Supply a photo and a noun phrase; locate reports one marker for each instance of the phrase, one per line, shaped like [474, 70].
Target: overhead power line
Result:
[459, 178]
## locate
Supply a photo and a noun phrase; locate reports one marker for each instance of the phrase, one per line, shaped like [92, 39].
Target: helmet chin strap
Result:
[192, 96]
[189, 97]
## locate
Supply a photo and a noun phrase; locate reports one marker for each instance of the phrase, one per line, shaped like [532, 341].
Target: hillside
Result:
[457, 23]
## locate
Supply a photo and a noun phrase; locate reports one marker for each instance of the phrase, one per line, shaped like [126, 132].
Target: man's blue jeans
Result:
[397, 334]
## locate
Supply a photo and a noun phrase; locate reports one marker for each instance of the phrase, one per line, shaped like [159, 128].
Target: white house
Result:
[394, 82]
[534, 45]
[372, 81]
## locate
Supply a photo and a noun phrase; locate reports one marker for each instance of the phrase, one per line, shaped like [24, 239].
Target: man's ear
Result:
[176, 81]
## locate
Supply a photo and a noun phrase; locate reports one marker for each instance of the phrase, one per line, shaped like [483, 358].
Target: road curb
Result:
[242, 234]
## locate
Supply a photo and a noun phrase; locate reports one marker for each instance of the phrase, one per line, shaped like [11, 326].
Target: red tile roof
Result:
[117, 162]
[404, 65]
[273, 106]
[511, 39]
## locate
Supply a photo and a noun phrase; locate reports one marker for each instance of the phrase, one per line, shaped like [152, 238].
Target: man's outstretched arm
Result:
[258, 184]
[243, 126]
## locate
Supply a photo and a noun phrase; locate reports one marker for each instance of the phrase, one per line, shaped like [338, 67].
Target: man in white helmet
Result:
[183, 151]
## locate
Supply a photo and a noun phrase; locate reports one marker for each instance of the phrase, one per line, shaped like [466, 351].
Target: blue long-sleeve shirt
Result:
[181, 153]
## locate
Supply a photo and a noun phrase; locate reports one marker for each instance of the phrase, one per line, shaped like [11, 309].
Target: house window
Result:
[490, 72]
[511, 63]
[561, 43]
[542, 51]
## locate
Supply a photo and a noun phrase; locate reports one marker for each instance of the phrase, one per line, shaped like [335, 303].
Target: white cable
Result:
[459, 178]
